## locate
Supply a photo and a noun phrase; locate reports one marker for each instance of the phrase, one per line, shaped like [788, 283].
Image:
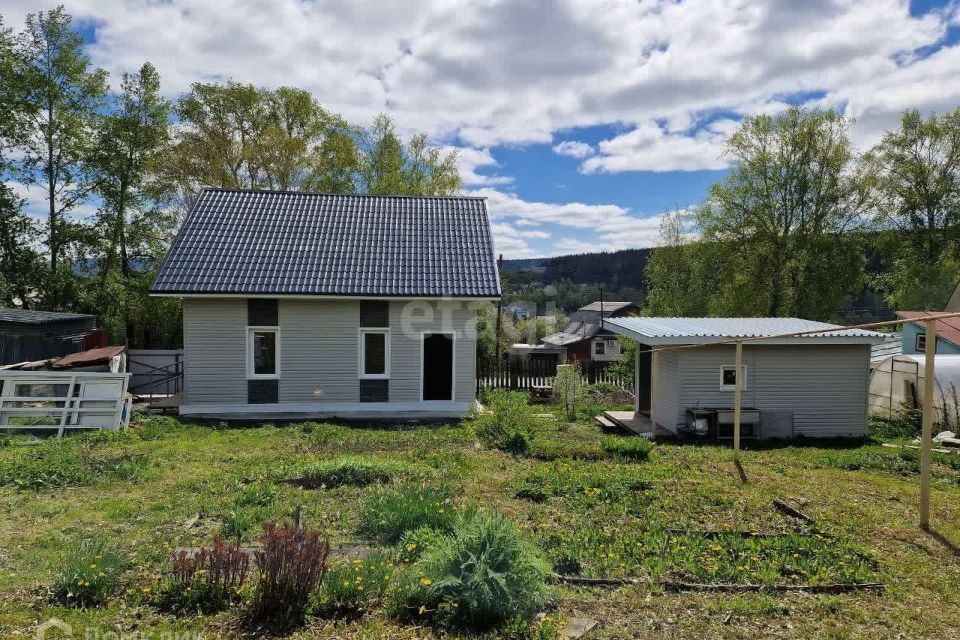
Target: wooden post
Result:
[654, 382]
[737, 389]
[927, 435]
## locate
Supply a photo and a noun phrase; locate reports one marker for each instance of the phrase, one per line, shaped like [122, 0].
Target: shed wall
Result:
[824, 386]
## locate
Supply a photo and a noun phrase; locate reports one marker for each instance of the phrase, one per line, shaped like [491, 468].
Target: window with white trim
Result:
[728, 377]
[920, 342]
[600, 347]
[374, 354]
[263, 353]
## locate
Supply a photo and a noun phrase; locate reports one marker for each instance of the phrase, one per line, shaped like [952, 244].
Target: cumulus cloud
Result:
[573, 148]
[470, 159]
[511, 72]
[650, 147]
[614, 226]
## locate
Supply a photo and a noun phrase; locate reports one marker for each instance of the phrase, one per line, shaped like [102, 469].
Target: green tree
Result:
[21, 265]
[915, 174]
[390, 168]
[62, 96]
[681, 279]
[133, 226]
[784, 217]
[240, 136]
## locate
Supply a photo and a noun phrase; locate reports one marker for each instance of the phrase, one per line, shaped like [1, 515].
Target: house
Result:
[586, 338]
[28, 335]
[315, 305]
[812, 385]
[915, 339]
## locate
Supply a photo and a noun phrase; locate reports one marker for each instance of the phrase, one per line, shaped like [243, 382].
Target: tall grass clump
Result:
[507, 424]
[291, 564]
[354, 471]
[68, 462]
[89, 573]
[627, 448]
[205, 581]
[482, 575]
[391, 511]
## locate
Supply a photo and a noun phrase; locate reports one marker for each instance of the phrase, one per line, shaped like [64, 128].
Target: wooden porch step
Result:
[605, 423]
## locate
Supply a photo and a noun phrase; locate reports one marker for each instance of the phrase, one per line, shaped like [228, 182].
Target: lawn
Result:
[596, 507]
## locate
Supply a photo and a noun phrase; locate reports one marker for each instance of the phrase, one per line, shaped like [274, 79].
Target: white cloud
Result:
[469, 159]
[615, 227]
[650, 147]
[510, 71]
[573, 148]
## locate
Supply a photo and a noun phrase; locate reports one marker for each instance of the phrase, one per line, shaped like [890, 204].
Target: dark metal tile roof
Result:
[29, 316]
[287, 243]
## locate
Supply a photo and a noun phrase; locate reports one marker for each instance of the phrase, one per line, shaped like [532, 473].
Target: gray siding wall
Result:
[824, 386]
[319, 346]
[214, 350]
[668, 389]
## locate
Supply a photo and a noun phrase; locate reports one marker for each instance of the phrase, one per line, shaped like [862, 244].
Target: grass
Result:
[167, 485]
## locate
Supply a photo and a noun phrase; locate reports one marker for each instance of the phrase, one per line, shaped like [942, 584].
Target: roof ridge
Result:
[345, 195]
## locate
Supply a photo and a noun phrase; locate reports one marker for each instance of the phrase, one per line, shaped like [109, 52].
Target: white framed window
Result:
[263, 353]
[728, 377]
[600, 347]
[374, 354]
[920, 342]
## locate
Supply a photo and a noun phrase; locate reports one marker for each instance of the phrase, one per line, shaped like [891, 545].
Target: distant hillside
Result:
[612, 268]
[574, 280]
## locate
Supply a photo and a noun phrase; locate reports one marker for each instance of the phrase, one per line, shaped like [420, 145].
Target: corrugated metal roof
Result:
[684, 330]
[29, 316]
[288, 243]
[891, 346]
[608, 306]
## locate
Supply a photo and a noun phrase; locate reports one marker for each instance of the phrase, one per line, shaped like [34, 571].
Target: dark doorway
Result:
[643, 378]
[437, 366]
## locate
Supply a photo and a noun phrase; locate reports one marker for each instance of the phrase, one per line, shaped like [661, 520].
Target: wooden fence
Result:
[539, 374]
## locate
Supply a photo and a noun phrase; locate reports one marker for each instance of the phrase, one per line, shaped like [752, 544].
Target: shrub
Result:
[351, 587]
[906, 426]
[291, 565]
[628, 448]
[88, 573]
[482, 575]
[568, 388]
[507, 425]
[355, 471]
[389, 512]
[206, 581]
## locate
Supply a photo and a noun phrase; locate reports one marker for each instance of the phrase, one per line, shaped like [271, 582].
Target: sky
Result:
[581, 122]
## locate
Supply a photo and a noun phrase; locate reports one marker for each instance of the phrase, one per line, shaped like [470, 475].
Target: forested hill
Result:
[615, 269]
[572, 281]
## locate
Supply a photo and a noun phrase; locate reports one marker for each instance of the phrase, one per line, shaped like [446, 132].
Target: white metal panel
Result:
[63, 400]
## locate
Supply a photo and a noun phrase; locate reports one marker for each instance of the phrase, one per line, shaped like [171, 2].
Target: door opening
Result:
[437, 366]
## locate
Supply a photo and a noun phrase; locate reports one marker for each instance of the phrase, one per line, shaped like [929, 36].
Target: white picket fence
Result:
[63, 400]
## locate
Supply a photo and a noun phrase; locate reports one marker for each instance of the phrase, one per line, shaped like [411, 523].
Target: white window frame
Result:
[600, 343]
[918, 339]
[361, 361]
[453, 363]
[250, 372]
[733, 387]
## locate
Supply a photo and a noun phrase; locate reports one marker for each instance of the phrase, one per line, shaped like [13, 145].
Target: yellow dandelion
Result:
[426, 582]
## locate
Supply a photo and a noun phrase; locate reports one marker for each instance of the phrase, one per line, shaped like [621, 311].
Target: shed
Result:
[812, 385]
[28, 335]
[897, 382]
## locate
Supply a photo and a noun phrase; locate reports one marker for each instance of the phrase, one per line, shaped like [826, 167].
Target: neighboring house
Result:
[814, 385]
[915, 338]
[27, 335]
[311, 305]
[586, 338]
